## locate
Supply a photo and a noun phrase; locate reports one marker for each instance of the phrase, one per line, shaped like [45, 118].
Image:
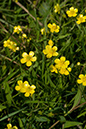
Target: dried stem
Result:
[54, 124]
[19, 4]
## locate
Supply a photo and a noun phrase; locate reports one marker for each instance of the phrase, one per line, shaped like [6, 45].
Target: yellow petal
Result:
[76, 10]
[72, 8]
[62, 58]
[29, 63]
[66, 72]
[44, 51]
[33, 86]
[54, 48]
[31, 53]
[56, 30]
[84, 83]
[27, 94]
[24, 54]
[53, 69]
[26, 82]
[50, 42]
[23, 60]
[9, 126]
[69, 69]
[32, 91]
[49, 55]
[56, 60]
[79, 81]
[78, 22]
[17, 88]
[67, 62]
[49, 25]
[19, 82]
[15, 127]
[68, 12]
[81, 76]
[55, 54]
[84, 17]
[34, 58]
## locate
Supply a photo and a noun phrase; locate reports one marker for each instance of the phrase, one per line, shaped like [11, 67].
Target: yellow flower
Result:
[53, 27]
[29, 90]
[11, 45]
[17, 29]
[25, 88]
[24, 36]
[81, 19]
[61, 65]
[50, 42]
[53, 69]
[82, 79]
[72, 12]
[28, 58]
[57, 8]
[50, 51]
[78, 63]
[9, 126]
[43, 31]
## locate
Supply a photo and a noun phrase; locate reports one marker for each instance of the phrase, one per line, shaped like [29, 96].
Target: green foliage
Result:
[59, 101]
[69, 124]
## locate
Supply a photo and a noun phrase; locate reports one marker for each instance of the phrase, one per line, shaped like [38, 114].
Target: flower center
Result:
[54, 27]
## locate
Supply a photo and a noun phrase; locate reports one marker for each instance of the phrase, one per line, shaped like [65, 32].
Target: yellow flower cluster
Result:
[25, 88]
[53, 27]
[61, 66]
[11, 45]
[82, 79]
[28, 58]
[81, 19]
[9, 126]
[17, 29]
[50, 50]
[72, 12]
[57, 8]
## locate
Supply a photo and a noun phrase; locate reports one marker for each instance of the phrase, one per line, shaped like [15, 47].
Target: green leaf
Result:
[11, 74]
[71, 124]
[12, 114]
[51, 83]
[63, 36]
[20, 123]
[2, 107]
[44, 9]
[82, 114]
[62, 119]
[77, 98]
[41, 119]
[8, 93]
